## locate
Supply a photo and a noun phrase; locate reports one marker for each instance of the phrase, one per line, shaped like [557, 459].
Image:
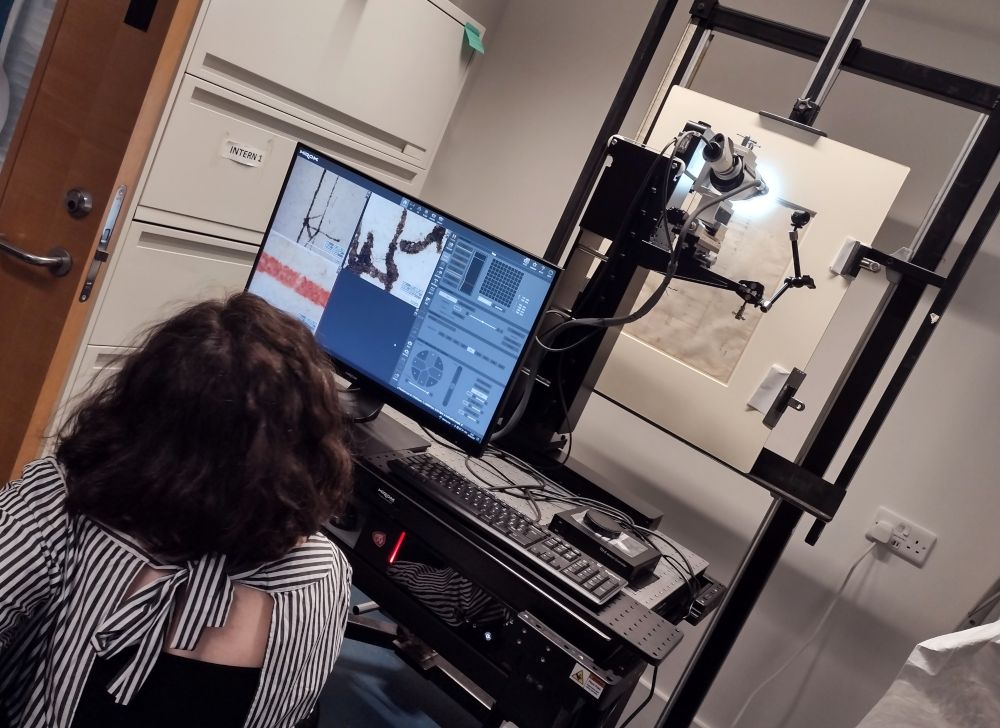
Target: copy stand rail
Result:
[798, 488]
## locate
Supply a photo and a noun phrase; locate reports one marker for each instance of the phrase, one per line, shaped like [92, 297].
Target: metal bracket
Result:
[792, 123]
[897, 265]
[796, 485]
[786, 398]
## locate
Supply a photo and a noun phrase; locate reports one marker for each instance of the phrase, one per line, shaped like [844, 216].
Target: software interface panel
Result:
[416, 301]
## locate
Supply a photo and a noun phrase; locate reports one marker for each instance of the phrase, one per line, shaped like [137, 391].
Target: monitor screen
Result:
[431, 313]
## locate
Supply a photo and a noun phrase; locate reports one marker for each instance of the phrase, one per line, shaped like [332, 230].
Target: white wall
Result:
[514, 150]
[508, 163]
[486, 12]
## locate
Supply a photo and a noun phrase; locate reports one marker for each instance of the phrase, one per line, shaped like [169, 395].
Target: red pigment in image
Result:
[312, 291]
[290, 278]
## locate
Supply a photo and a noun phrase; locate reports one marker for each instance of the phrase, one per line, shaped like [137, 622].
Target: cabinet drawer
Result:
[386, 73]
[159, 271]
[96, 364]
[193, 182]
[92, 366]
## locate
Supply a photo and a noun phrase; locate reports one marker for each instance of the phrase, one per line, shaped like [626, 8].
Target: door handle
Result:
[58, 261]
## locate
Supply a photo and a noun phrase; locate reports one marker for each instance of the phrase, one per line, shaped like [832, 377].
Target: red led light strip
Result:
[395, 549]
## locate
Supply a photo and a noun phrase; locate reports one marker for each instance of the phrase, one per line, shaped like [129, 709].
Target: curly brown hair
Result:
[221, 434]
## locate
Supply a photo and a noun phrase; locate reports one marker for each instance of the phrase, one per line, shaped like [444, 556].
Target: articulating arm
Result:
[692, 267]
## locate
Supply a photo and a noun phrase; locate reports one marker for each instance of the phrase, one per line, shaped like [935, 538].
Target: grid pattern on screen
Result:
[501, 283]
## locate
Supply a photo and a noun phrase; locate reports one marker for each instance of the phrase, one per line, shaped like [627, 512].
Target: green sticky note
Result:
[473, 38]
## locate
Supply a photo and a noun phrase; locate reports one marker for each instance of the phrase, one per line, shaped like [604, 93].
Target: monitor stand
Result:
[376, 433]
[360, 405]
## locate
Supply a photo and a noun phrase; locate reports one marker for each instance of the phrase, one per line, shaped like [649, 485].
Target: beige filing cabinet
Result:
[370, 82]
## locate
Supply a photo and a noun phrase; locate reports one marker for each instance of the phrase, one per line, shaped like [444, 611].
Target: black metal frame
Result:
[799, 487]
[613, 121]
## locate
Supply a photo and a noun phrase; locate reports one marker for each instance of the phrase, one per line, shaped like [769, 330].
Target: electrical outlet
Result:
[908, 540]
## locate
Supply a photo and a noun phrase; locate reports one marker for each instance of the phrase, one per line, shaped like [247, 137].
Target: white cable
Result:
[812, 637]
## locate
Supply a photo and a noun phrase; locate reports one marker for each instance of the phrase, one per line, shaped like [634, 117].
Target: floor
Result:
[372, 688]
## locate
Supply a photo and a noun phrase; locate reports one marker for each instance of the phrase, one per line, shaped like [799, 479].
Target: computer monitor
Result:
[425, 312]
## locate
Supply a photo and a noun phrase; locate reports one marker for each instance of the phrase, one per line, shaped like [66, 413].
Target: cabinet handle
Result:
[58, 261]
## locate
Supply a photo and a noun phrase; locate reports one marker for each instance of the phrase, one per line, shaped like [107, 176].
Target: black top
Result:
[178, 692]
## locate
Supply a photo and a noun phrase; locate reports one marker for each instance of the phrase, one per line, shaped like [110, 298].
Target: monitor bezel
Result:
[389, 397]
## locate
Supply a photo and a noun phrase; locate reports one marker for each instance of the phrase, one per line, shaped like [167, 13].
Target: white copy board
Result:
[675, 383]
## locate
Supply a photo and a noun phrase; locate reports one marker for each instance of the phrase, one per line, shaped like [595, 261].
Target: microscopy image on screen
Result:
[396, 250]
[319, 210]
[307, 242]
[294, 279]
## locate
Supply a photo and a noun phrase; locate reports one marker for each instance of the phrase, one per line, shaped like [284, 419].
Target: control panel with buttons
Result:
[563, 564]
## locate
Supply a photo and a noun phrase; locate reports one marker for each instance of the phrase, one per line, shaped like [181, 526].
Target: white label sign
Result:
[587, 680]
[241, 153]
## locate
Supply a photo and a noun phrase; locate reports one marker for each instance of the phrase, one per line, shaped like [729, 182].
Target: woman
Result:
[164, 567]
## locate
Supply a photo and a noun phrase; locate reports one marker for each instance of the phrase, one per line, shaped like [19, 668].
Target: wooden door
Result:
[98, 91]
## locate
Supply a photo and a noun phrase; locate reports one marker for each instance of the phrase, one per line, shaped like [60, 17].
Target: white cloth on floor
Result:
[951, 681]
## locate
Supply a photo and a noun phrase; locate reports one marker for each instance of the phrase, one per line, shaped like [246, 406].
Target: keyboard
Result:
[565, 565]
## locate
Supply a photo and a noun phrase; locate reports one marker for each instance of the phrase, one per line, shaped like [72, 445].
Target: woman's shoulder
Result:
[33, 529]
[39, 495]
[314, 561]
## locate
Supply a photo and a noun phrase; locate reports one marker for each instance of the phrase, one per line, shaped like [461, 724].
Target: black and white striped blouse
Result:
[62, 587]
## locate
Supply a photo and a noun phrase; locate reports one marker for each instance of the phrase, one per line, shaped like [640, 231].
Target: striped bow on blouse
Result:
[145, 617]
[63, 603]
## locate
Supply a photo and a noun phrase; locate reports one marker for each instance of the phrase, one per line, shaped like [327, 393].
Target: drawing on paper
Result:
[696, 324]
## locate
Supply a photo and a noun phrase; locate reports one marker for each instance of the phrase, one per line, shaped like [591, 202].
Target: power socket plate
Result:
[908, 540]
